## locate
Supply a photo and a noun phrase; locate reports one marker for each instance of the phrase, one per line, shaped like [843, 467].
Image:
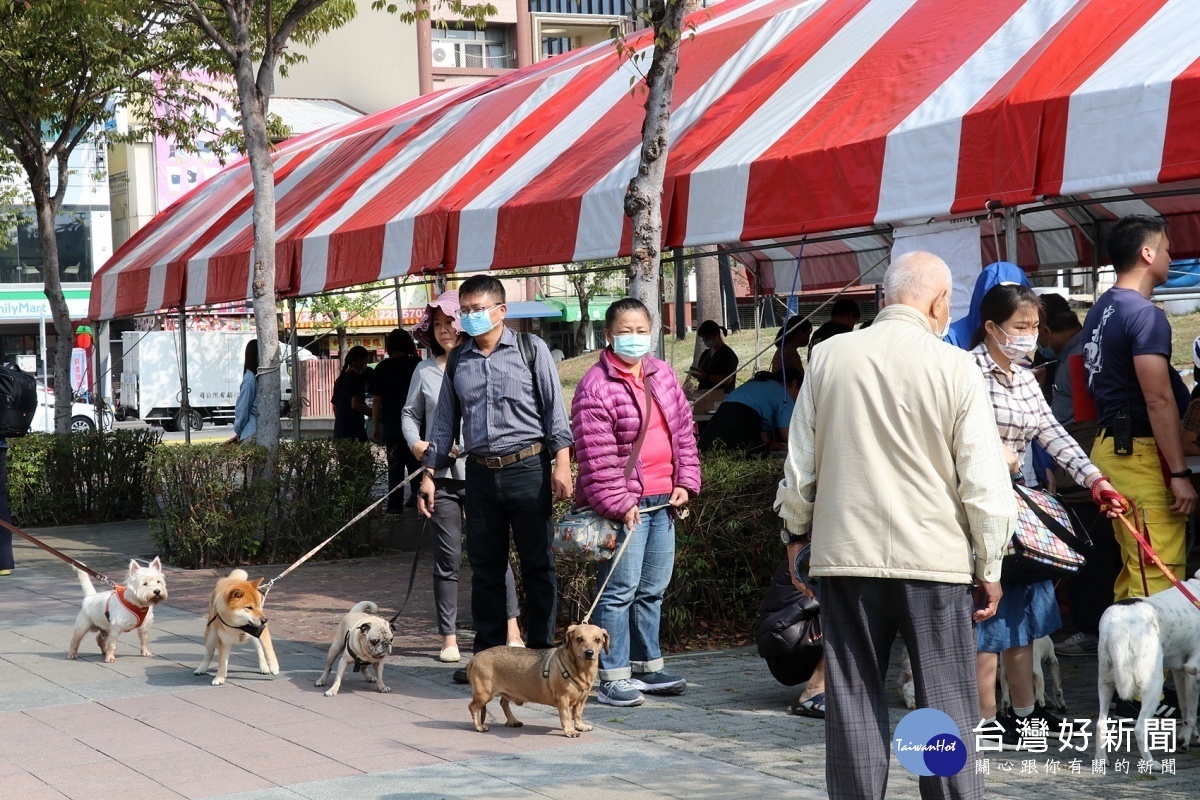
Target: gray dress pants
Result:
[861, 618]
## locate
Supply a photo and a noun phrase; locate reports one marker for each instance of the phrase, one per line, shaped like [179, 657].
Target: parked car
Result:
[83, 415]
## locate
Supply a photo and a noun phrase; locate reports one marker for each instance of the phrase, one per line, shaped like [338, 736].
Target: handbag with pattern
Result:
[1047, 542]
[584, 535]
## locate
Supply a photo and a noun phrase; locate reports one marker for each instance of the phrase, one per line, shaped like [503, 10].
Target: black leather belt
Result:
[497, 462]
[1139, 432]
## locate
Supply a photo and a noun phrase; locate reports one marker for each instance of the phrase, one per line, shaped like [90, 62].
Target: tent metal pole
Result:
[185, 411]
[757, 322]
[1010, 235]
[297, 395]
[399, 311]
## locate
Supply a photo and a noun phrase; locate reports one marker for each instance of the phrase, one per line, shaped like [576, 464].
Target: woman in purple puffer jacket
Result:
[607, 415]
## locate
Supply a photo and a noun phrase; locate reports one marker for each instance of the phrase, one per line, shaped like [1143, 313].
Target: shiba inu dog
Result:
[235, 611]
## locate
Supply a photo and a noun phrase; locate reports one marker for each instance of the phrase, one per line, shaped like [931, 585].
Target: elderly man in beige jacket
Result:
[896, 469]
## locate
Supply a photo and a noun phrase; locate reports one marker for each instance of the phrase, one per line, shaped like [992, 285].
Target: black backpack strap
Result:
[529, 355]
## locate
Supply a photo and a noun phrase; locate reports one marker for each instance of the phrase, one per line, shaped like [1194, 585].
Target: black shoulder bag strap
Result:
[452, 367]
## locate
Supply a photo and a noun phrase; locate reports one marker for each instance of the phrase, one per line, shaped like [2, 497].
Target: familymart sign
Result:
[32, 305]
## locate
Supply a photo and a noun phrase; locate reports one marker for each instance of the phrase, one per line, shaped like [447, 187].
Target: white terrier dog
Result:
[121, 610]
[1139, 638]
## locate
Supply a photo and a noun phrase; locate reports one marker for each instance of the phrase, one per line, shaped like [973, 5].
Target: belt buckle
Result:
[495, 462]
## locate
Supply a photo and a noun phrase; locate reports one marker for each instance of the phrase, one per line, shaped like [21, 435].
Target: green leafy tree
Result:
[340, 309]
[64, 66]
[251, 41]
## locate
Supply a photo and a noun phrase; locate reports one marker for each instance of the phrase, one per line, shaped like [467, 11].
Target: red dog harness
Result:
[137, 611]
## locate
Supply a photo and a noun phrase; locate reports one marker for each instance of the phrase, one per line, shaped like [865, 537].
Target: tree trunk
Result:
[44, 202]
[585, 320]
[262, 170]
[343, 343]
[643, 199]
[708, 288]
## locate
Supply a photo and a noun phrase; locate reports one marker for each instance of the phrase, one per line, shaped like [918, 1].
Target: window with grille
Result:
[468, 48]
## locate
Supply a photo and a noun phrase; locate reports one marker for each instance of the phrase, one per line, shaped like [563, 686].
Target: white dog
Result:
[1045, 665]
[1139, 638]
[120, 610]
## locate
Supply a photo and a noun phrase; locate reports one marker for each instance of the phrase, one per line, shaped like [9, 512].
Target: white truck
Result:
[150, 382]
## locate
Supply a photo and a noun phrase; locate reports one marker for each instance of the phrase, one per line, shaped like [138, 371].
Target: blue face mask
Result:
[1047, 352]
[477, 323]
[630, 347]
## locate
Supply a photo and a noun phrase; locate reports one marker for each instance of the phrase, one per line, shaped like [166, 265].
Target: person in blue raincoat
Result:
[963, 329]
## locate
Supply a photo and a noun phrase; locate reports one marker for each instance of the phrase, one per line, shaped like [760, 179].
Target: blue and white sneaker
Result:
[661, 682]
[619, 693]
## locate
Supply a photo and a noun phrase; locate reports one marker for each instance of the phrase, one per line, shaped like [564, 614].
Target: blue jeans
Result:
[631, 606]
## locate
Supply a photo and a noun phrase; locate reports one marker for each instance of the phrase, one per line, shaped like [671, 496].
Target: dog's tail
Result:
[85, 582]
[365, 607]
[1129, 642]
[239, 575]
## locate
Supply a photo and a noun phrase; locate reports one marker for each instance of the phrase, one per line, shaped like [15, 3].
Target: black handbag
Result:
[788, 632]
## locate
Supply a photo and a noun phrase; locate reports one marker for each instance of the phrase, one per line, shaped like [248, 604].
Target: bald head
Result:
[916, 279]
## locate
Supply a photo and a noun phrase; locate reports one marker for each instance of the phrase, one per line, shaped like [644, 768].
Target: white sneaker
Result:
[449, 655]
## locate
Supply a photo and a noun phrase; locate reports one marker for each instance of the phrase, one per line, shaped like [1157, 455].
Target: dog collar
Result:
[254, 630]
[137, 611]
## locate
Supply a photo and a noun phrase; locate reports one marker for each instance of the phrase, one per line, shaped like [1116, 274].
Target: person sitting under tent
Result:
[754, 417]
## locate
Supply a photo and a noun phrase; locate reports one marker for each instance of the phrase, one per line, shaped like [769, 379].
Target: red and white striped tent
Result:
[791, 117]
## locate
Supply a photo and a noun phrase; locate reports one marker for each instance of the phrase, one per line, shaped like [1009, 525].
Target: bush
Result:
[214, 506]
[83, 477]
[726, 552]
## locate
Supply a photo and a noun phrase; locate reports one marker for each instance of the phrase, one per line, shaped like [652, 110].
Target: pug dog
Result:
[362, 639]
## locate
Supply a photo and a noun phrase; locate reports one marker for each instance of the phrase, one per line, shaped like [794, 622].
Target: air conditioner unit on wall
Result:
[443, 54]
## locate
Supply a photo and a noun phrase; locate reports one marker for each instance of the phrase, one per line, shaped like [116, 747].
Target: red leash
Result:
[1158, 562]
[78, 565]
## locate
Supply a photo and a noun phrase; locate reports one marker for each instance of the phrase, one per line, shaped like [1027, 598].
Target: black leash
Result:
[412, 576]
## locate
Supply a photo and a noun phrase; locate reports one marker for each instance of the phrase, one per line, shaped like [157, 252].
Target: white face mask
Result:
[1015, 348]
[945, 331]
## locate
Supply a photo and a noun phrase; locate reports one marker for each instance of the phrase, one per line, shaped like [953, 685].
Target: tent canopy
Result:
[790, 117]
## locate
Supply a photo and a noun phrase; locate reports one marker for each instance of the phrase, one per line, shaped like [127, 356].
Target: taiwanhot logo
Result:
[928, 742]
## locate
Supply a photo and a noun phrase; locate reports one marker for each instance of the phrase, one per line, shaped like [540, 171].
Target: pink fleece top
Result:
[657, 464]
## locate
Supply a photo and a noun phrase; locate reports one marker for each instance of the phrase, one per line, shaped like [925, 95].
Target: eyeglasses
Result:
[462, 311]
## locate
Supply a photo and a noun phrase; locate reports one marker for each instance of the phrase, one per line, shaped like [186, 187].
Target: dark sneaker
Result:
[1010, 731]
[661, 682]
[1079, 645]
[619, 693]
[460, 675]
[1167, 708]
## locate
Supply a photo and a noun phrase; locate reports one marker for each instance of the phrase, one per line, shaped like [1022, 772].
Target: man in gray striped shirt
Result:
[513, 422]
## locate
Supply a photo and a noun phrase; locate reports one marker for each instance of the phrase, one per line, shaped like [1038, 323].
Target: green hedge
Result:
[83, 477]
[726, 552]
[213, 505]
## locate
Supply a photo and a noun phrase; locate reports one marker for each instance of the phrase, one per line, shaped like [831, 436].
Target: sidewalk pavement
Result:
[148, 728]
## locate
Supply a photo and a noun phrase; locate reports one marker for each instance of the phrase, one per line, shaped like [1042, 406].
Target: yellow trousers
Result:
[1138, 477]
